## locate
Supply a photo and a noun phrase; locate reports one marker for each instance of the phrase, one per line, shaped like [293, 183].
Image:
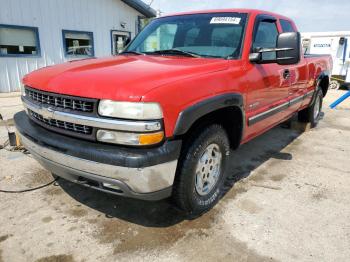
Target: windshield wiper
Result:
[132, 52]
[176, 52]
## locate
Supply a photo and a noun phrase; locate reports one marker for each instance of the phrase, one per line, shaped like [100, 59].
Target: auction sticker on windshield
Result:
[225, 20]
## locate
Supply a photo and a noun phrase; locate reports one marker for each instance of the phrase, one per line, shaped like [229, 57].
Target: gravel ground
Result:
[287, 200]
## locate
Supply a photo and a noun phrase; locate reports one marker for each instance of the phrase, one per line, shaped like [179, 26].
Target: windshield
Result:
[218, 35]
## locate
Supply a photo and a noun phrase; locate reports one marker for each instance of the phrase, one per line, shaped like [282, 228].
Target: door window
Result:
[266, 37]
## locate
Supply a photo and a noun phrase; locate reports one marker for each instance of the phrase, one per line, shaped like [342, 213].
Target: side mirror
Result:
[255, 57]
[288, 50]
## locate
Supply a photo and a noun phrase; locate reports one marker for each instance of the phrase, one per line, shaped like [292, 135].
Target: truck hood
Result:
[125, 77]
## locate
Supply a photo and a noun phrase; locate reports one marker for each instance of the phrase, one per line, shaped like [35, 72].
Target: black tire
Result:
[185, 193]
[308, 114]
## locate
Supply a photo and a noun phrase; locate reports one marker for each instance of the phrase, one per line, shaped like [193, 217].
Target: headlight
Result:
[130, 110]
[131, 139]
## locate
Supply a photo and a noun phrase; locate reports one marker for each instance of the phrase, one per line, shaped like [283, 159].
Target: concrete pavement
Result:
[287, 199]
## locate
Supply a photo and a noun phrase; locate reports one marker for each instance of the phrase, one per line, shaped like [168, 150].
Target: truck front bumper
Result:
[146, 174]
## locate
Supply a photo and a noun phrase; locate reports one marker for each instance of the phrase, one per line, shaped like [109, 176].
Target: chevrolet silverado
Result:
[160, 119]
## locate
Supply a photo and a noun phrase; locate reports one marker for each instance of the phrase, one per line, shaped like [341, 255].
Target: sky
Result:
[309, 15]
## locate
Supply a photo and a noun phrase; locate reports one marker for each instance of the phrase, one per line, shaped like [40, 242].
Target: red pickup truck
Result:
[161, 118]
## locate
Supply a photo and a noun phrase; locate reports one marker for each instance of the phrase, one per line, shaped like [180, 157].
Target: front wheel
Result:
[312, 114]
[201, 172]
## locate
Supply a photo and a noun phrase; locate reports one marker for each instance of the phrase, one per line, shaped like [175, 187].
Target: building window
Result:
[78, 43]
[119, 40]
[19, 41]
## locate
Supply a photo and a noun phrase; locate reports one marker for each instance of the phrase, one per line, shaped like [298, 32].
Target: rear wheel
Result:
[312, 114]
[201, 172]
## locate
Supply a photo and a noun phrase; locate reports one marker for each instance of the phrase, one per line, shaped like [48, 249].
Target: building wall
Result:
[51, 16]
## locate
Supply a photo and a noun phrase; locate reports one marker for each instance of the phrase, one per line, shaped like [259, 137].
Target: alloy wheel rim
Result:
[208, 169]
[317, 107]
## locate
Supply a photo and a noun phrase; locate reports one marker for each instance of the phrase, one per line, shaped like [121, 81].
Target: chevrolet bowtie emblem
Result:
[48, 112]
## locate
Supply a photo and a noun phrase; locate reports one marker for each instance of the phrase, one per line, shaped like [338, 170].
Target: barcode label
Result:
[226, 20]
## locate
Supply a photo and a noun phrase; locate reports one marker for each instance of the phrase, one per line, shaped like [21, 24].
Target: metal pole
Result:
[339, 100]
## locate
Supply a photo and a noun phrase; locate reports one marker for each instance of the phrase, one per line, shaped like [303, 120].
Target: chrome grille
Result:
[59, 101]
[82, 129]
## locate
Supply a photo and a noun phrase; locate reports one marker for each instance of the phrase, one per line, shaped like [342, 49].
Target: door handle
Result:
[286, 74]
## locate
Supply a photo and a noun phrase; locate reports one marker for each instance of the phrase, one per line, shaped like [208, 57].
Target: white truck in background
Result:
[336, 44]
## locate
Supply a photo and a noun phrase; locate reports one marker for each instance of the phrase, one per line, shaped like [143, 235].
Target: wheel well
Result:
[324, 84]
[230, 118]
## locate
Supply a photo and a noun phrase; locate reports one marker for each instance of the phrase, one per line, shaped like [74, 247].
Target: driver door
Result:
[267, 89]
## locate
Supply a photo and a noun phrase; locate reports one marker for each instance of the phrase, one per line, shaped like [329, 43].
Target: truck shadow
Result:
[162, 213]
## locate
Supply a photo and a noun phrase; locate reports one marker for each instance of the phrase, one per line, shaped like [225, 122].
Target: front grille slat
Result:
[59, 101]
[76, 128]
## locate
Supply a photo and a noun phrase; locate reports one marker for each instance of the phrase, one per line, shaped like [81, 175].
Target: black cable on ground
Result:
[29, 189]
[27, 153]
[15, 148]
[4, 145]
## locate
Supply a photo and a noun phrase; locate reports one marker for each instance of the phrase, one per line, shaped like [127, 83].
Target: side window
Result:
[266, 37]
[286, 26]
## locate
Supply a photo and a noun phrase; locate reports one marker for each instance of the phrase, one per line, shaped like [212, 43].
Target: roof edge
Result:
[140, 6]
